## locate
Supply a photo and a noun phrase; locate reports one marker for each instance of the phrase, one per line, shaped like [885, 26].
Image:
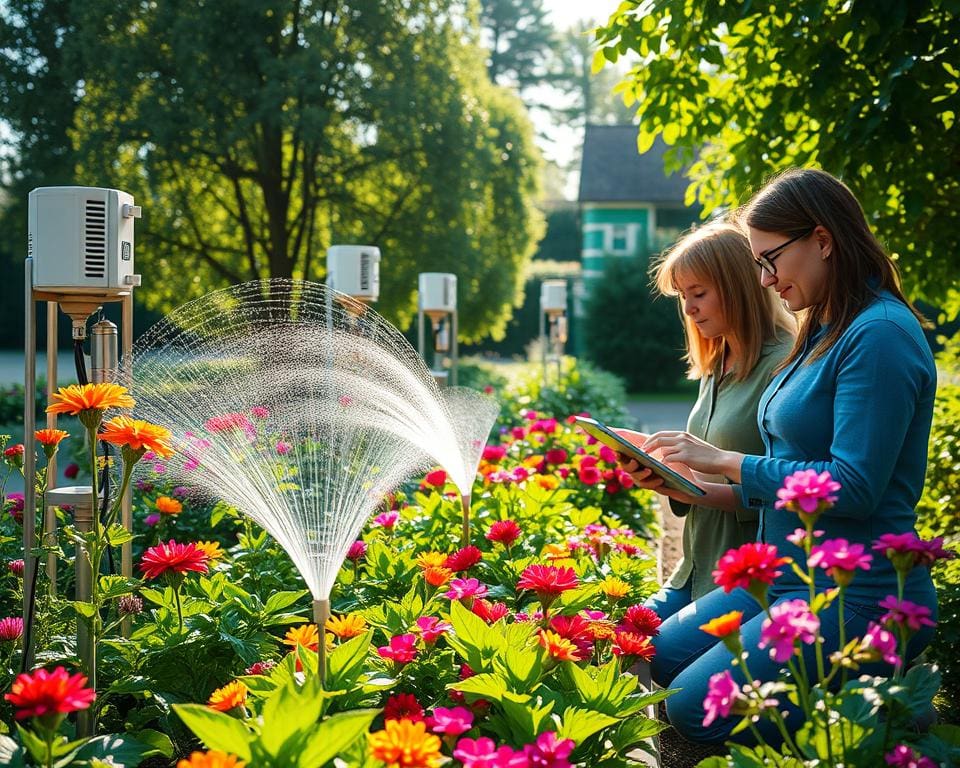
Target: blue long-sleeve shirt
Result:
[862, 411]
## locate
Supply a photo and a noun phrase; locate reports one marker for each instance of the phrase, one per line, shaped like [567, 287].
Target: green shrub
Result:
[11, 402]
[939, 515]
[629, 332]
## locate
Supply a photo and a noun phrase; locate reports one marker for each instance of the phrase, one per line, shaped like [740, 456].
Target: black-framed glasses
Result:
[766, 258]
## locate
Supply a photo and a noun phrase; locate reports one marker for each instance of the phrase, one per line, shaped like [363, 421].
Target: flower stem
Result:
[176, 596]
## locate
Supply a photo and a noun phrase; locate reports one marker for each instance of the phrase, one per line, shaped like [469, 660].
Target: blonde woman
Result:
[737, 334]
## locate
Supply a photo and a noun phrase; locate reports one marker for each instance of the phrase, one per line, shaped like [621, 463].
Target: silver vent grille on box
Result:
[30, 244]
[95, 239]
[365, 271]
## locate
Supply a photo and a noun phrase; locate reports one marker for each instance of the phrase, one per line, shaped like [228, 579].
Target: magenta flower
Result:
[283, 447]
[260, 667]
[151, 520]
[462, 589]
[260, 412]
[880, 643]
[431, 628]
[71, 470]
[906, 550]
[483, 753]
[722, 694]
[839, 558]
[494, 453]
[450, 722]
[905, 614]
[11, 629]
[807, 492]
[902, 756]
[549, 752]
[16, 567]
[387, 519]
[519, 474]
[555, 456]
[788, 622]
[402, 649]
[357, 551]
[608, 455]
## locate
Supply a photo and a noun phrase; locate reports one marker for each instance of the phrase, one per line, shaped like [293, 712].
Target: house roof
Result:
[612, 171]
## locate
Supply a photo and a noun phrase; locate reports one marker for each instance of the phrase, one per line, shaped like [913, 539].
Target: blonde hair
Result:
[718, 253]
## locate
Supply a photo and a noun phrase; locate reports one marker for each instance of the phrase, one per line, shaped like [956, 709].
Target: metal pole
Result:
[29, 458]
[454, 349]
[126, 508]
[421, 340]
[543, 347]
[50, 513]
[80, 497]
[321, 612]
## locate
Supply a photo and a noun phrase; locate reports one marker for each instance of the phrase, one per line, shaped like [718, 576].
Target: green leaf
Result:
[524, 716]
[634, 730]
[122, 750]
[118, 535]
[334, 735]
[279, 601]
[486, 685]
[112, 587]
[289, 711]
[346, 662]
[216, 729]
[84, 610]
[522, 667]
[472, 638]
[579, 724]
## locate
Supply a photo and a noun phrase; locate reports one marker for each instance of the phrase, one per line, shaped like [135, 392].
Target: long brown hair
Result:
[800, 199]
[718, 253]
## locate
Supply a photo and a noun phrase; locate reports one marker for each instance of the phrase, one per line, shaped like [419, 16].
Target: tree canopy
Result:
[257, 134]
[865, 90]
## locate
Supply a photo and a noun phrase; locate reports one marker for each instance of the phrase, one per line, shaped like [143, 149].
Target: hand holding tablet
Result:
[608, 437]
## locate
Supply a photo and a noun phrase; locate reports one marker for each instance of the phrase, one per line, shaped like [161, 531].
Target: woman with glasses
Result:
[854, 397]
[737, 333]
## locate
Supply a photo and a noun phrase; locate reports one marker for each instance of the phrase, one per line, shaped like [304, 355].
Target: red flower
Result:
[577, 630]
[636, 646]
[49, 694]
[749, 566]
[494, 453]
[71, 470]
[504, 531]
[589, 474]
[556, 456]
[463, 559]
[436, 479]
[174, 558]
[641, 620]
[403, 705]
[548, 581]
[489, 612]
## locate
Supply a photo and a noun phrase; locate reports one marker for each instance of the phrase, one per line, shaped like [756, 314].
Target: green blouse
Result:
[725, 415]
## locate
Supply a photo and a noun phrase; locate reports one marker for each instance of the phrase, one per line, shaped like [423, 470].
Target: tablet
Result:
[608, 437]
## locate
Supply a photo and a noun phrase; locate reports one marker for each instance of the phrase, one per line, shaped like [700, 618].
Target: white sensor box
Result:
[354, 270]
[82, 238]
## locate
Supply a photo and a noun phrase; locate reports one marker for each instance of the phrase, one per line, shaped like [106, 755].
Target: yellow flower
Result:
[614, 588]
[548, 482]
[554, 551]
[431, 559]
[82, 399]
[348, 626]
[306, 635]
[211, 759]
[405, 744]
[534, 460]
[232, 695]
[211, 549]
[558, 647]
[168, 506]
[137, 435]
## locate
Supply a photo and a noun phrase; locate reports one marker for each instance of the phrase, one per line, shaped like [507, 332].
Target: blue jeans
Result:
[687, 657]
[669, 601]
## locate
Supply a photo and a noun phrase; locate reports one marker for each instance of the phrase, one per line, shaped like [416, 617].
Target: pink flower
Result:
[789, 621]
[283, 447]
[608, 455]
[907, 550]
[722, 694]
[902, 756]
[436, 479]
[483, 753]
[345, 401]
[503, 531]
[555, 456]
[547, 581]
[387, 519]
[518, 433]
[808, 492]
[357, 551]
[11, 629]
[519, 474]
[402, 649]
[589, 474]
[880, 643]
[16, 568]
[546, 426]
[800, 534]
[431, 628]
[260, 667]
[549, 752]
[839, 558]
[905, 613]
[494, 453]
[462, 589]
[260, 412]
[450, 722]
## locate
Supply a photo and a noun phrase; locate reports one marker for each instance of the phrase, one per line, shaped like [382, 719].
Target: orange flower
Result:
[229, 697]
[210, 548]
[348, 626]
[724, 625]
[78, 398]
[614, 588]
[50, 438]
[405, 744]
[548, 482]
[169, 506]
[534, 460]
[306, 635]
[431, 559]
[556, 551]
[211, 759]
[558, 647]
[437, 576]
[601, 629]
[138, 435]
